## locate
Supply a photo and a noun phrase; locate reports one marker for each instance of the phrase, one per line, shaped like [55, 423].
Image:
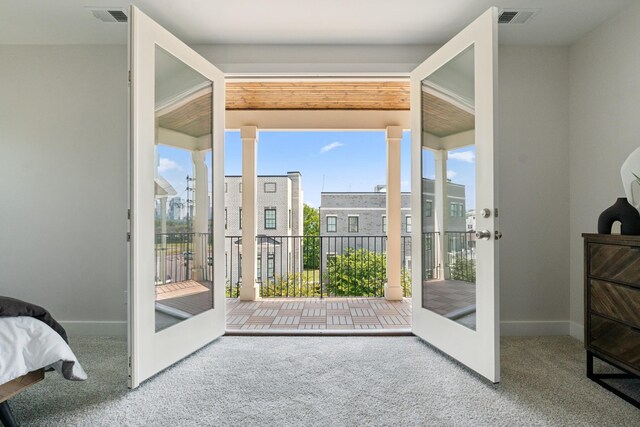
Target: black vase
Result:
[624, 212]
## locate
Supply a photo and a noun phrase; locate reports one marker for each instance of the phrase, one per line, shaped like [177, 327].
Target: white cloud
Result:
[451, 174]
[330, 147]
[167, 164]
[463, 156]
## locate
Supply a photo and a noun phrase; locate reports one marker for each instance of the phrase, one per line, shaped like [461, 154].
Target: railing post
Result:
[320, 267]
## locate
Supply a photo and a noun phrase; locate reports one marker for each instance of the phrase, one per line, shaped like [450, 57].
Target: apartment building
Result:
[359, 220]
[279, 209]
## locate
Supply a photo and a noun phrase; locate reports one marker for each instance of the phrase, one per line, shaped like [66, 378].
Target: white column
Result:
[441, 211]
[250, 289]
[393, 288]
[201, 214]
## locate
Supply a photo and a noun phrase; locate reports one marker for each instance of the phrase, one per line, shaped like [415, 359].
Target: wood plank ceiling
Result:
[439, 117]
[346, 95]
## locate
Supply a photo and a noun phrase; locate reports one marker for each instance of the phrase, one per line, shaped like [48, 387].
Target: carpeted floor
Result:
[325, 381]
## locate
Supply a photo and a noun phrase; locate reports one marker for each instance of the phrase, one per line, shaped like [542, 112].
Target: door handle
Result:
[483, 234]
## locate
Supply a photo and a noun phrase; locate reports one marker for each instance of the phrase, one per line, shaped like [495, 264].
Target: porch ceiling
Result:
[441, 118]
[370, 95]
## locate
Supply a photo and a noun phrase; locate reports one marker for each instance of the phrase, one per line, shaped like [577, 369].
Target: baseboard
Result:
[577, 331]
[101, 328]
[534, 328]
[507, 328]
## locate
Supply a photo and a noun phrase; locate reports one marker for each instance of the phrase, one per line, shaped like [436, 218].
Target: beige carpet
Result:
[326, 381]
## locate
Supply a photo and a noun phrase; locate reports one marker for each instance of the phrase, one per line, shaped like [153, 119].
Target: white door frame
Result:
[479, 349]
[151, 352]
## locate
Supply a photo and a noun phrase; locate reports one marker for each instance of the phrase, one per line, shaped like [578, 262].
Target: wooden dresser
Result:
[612, 305]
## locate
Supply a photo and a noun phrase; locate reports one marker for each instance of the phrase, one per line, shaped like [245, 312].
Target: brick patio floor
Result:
[317, 313]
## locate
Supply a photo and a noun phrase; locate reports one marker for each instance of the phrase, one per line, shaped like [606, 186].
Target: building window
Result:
[428, 208]
[384, 224]
[226, 187]
[240, 187]
[240, 218]
[290, 219]
[331, 258]
[408, 223]
[259, 267]
[269, 187]
[456, 209]
[271, 265]
[332, 224]
[225, 218]
[270, 219]
[352, 224]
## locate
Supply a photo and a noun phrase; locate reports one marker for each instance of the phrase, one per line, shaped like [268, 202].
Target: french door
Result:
[455, 280]
[176, 287]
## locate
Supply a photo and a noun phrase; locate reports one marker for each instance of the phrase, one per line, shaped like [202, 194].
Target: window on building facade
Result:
[456, 209]
[271, 265]
[269, 187]
[428, 208]
[352, 224]
[384, 223]
[240, 218]
[226, 187]
[290, 219]
[331, 258]
[332, 224]
[225, 218]
[240, 187]
[259, 267]
[408, 223]
[269, 218]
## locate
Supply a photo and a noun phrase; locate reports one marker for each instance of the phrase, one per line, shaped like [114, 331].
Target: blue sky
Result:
[329, 161]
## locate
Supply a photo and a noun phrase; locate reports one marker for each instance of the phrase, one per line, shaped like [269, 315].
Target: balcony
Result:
[314, 282]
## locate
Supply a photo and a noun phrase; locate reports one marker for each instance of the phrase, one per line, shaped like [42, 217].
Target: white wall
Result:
[63, 115]
[534, 189]
[63, 180]
[605, 128]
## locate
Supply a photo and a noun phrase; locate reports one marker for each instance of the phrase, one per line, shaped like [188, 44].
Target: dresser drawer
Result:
[614, 262]
[616, 339]
[615, 301]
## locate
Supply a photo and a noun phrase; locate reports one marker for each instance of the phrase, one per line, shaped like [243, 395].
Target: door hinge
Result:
[128, 213]
[128, 236]
[129, 76]
[129, 361]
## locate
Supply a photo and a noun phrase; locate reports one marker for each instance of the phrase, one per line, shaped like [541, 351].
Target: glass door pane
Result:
[183, 178]
[448, 190]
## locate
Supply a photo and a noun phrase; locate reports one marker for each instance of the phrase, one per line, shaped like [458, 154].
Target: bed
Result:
[31, 342]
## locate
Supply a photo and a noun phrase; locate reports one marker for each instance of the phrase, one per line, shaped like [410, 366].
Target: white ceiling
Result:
[370, 22]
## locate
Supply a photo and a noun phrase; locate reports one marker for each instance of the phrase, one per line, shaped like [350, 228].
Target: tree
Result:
[311, 229]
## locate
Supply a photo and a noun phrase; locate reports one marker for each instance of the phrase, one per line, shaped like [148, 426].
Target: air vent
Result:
[517, 16]
[109, 14]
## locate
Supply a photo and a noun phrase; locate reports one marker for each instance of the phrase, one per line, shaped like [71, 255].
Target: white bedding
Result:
[27, 344]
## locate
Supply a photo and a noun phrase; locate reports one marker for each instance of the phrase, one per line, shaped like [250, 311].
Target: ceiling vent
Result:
[109, 14]
[516, 16]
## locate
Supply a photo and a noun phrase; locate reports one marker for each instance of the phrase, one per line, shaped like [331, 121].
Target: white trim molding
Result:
[115, 328]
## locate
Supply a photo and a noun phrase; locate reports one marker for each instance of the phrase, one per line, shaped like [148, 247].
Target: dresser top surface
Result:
[611, 238]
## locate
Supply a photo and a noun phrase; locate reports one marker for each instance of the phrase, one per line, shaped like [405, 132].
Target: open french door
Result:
[453, 128]
[176, 287]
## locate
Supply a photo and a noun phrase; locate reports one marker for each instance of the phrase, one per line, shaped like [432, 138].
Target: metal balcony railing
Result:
[311, 266]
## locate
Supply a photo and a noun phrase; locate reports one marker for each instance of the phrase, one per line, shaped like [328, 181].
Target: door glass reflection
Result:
[183, 183]
[448, 191]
